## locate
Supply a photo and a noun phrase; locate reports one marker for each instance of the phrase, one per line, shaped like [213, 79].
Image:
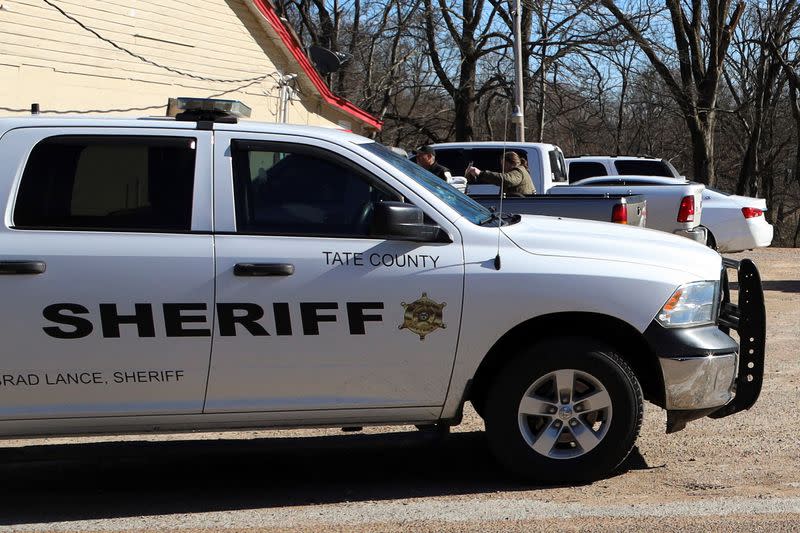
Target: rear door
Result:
[108, 274]
[312, 312]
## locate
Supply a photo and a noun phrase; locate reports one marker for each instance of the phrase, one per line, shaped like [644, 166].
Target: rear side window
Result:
[453, 158]
[458, 159]
[108, 183]
[583, 170]
[643, 168]
[490, 158]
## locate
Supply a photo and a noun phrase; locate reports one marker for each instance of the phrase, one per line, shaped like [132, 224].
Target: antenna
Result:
[502, 183]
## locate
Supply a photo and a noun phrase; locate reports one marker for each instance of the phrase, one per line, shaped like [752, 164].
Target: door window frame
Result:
[224, 208]
[274, 146]
[202, 193]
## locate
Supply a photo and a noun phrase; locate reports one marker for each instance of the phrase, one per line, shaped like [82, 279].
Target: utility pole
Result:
[285, 96]
[518, 115]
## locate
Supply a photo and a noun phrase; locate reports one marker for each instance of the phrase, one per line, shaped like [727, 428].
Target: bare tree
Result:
[702, 33]
[756, 85]
[458, 38]
[783, 48]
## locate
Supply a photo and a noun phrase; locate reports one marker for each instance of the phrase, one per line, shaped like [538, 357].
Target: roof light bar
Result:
[196, 109]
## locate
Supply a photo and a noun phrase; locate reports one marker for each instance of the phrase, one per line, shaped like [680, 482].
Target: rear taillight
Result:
[686, 212]
[620, 214]
[751, 212]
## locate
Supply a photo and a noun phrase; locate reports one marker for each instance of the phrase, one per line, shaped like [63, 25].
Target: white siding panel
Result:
[47, 58]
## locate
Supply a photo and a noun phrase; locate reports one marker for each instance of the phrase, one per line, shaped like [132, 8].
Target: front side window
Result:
[460, 202]
[297, 190]
[108, 183]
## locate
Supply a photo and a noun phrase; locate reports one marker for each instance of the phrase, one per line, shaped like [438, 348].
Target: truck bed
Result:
[585, 206]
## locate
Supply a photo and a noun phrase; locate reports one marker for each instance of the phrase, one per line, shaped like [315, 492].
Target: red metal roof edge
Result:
[294, 46]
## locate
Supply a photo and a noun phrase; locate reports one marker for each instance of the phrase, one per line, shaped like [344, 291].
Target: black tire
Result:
[711, 242]
[596, 367]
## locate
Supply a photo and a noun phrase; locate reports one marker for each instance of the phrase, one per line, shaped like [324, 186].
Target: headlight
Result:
[691, 305]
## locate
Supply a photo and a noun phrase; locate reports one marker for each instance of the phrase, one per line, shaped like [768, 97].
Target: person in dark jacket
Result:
[513, 175]
[426, 158]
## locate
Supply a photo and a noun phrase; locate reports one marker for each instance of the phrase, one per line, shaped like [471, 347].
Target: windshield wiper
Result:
[508, 218]
[491, 218]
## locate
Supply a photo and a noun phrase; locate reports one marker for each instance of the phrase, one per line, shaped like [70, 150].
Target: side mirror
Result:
[398, 220]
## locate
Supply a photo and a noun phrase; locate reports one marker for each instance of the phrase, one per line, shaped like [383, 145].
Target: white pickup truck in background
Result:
[676, 209]
[589, 166]
[546, 162]
[733, 223]
[206, 273]
[674, 206]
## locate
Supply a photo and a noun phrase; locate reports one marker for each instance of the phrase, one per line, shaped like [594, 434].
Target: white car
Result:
[735, 223]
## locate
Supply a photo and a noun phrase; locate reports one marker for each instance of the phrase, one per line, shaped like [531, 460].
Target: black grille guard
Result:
[749, 320]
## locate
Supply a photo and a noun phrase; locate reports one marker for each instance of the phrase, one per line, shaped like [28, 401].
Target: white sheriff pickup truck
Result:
[201, 273]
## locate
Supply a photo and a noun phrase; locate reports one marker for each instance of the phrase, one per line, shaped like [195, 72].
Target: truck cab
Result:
[210, 273]
[545, 161]
[590, 166]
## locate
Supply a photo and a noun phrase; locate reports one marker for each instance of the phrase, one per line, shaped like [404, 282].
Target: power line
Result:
[83, 111]
[144, 59]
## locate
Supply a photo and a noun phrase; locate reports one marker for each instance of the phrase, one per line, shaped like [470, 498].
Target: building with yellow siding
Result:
[127, 57]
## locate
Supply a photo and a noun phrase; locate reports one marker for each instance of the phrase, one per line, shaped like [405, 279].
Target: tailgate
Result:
[696, 190]
[600, 207]
[637, 210]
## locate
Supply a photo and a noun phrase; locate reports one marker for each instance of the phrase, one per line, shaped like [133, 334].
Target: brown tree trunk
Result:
[746, 182]
[702, 151]
[465, 102]
[620, 115]
[542, 93]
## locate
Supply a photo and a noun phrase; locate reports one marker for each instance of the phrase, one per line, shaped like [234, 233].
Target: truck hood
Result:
[568, 237]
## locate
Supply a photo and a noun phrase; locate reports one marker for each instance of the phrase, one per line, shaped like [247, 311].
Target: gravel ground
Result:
[741, 473]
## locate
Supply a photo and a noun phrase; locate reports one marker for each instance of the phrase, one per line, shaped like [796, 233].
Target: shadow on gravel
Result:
[781, 286]
[122, 479]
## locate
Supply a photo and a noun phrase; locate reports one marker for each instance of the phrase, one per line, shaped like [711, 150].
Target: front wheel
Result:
[564, 410]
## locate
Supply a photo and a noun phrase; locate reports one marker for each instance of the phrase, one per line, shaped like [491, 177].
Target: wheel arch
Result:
[624, 338]
[711, 239]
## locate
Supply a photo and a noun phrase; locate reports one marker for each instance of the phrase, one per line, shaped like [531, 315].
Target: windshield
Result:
[466, 206]
[557, 165]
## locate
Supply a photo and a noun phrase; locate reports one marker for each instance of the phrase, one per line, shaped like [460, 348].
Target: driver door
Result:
[313, 313]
